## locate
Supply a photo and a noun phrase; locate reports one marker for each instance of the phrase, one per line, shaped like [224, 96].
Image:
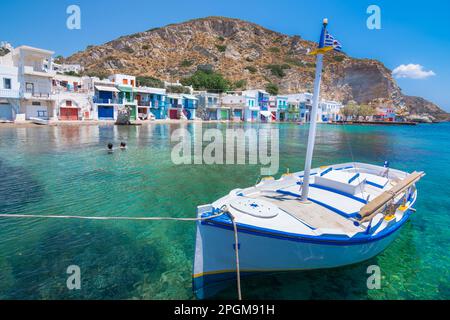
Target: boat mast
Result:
[313, 117]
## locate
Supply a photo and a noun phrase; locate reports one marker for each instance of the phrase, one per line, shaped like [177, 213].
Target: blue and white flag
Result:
[330, 41]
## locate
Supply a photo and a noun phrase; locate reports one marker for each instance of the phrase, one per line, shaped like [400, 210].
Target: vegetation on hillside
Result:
[240, 84]
[149, 82]
[221, 48]
[278, 69]
[186, 63]
[177, 89]
[272, 89]
[251, 69]
[207, 80]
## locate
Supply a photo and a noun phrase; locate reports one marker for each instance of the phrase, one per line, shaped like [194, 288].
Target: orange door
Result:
[68, 114]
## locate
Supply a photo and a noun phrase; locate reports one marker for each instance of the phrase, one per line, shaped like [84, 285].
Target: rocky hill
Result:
[242, 50]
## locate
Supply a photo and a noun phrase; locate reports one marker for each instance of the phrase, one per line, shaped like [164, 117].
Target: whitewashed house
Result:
[242, 107]
[210, 104]
[73, 101]
[104, 97]
[330, 111]
[259, 110]
[35, 81]
[9, 88]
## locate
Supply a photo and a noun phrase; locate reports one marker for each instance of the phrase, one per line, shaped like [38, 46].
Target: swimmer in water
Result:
[123, 146]
[110, 148]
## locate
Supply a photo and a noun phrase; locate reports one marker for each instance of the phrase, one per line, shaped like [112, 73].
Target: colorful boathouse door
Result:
[105, 113]
[173, 114]
[132, 113]
[224, 114]
[68, 114]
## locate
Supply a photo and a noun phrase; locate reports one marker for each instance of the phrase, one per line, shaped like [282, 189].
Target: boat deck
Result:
[336, 196]
[310, 213]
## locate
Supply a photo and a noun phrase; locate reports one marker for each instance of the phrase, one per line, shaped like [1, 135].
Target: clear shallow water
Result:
[65, 170]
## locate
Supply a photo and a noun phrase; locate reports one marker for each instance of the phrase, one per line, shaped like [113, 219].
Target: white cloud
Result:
[412, 71]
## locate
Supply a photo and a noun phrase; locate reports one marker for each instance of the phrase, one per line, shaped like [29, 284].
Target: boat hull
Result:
[215, 259]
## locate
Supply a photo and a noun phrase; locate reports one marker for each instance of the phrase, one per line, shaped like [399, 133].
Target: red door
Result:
[173, 114]
[68, 114]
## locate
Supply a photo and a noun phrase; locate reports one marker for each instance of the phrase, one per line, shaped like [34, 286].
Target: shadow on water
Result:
[17, 188]
[348, 282]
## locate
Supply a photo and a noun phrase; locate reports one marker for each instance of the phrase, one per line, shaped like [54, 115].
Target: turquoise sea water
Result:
[66, 170]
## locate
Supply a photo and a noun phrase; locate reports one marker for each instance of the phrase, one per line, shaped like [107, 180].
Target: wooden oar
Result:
[373, 207]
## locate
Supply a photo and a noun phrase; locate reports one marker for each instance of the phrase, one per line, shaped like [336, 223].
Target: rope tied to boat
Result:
[223, 211]
[236, 249]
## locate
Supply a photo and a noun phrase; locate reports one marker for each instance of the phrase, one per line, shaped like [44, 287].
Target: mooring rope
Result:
[236, 244]
[223, 210]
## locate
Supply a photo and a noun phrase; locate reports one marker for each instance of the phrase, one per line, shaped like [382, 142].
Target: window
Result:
[125, 81]
[29, 87]
[7, 83]
[132, 83]
[36, 103]
[68, 103]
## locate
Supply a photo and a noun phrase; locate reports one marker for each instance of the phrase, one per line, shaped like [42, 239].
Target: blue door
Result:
[6, 112]
[105, 113]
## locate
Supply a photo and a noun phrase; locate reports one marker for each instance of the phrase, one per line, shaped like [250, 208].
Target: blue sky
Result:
[413, 32]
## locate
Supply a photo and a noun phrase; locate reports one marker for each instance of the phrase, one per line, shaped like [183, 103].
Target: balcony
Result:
[8, 93]
[28, 94]
[212, 106]
[28, 70]
[144, 103]
[99, 100]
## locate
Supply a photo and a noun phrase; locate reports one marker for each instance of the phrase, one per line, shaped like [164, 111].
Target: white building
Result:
[302, 103]
[211, 103]
[330, 110]
[73, 101]
[104, 97]
[63, 68]
[26, 87]
[35, 83]
[278, 107]
[242, 107]
[260, 109]
[9, 89]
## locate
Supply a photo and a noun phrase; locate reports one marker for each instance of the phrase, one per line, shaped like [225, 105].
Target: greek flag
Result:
[330, 41]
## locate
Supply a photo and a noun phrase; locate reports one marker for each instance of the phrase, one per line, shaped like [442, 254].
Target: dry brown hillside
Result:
[243, 50]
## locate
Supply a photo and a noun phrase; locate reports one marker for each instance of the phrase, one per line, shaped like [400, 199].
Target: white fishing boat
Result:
[326, 217]
[39, 121]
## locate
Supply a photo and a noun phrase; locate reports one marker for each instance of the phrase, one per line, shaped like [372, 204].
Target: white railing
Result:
[8, 93]
[38, 71]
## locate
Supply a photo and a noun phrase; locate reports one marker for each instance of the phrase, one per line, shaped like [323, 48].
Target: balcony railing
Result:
[36, 94]
[145, 103]
[108, 101]
[41, 94]
[38, 71]
[8, 93]
[57, 90]
[175, 105]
